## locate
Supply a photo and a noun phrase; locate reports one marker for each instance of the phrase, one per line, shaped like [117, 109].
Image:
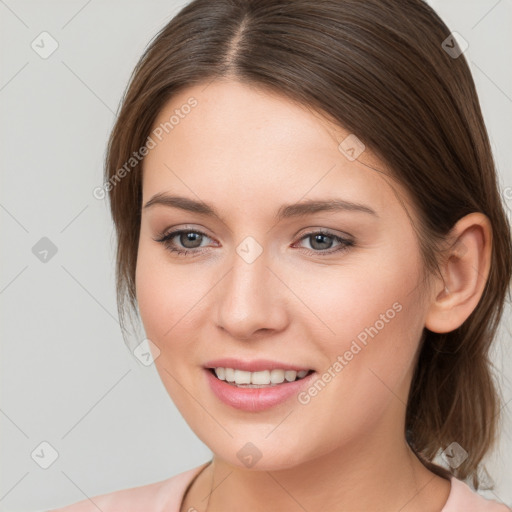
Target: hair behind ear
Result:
[453, 398]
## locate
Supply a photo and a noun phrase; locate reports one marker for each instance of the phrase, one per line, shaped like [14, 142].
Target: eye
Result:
[189, 242]
[322, 242]
[183, 241]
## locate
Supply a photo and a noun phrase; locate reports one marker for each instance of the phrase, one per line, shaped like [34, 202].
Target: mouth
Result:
[256, 385]
[259, 379]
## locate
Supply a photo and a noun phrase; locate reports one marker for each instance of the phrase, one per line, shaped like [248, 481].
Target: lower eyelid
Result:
[343, 243]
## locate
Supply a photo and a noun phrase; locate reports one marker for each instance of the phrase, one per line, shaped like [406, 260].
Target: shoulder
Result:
[165, 495]
[462, 497]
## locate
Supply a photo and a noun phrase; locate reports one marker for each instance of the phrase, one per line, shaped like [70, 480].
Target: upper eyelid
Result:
[171, 233]
[167, 233]
[344, 242]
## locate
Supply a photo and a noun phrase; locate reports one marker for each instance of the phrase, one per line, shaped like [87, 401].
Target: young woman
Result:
[309, 225]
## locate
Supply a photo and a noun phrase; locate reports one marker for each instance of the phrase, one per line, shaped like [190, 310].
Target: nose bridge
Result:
[249, 295]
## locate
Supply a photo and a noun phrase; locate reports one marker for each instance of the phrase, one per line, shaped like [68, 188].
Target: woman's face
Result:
[261, 281]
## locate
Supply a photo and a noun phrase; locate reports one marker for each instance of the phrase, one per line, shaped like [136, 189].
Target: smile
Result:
[259, 379]
[256, 391]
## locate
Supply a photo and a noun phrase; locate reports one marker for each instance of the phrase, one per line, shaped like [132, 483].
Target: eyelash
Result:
[165, 239]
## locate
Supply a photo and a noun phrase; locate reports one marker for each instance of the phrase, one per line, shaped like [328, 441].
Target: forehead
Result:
[241, 144]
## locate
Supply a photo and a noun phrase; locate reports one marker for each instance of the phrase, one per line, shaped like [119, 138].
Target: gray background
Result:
[67, 376]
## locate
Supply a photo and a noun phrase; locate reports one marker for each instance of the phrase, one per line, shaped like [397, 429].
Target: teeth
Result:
[277, 376]
[261, 378]
[290, 375]
[242, 377]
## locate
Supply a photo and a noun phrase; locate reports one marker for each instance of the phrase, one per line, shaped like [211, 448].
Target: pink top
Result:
[167, 495]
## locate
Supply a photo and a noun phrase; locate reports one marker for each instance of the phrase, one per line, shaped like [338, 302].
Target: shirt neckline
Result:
[456, 486]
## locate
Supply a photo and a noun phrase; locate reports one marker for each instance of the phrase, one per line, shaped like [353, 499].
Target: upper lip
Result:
[253, 366]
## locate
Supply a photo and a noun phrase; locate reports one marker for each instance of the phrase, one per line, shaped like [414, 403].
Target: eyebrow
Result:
[286, 211]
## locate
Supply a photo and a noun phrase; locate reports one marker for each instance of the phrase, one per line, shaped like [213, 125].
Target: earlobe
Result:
[465, 270]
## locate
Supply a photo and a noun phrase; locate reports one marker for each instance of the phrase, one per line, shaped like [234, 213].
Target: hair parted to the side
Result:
[377, 68]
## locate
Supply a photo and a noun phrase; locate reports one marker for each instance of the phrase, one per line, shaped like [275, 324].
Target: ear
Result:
[465, 270]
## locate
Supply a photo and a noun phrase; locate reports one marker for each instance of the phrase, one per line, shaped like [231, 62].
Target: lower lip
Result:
[255, 399]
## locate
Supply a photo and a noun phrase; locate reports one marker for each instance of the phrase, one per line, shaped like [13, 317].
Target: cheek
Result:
[372, 310]
[376, 317]
[152, 299]
[367, 371]
[166, 296]
[170, 297]
[352, 301]
[157, 293]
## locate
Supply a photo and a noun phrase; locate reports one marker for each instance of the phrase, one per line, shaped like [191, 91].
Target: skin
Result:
[246, 152]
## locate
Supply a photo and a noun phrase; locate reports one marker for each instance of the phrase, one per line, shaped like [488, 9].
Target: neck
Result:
[371, 475]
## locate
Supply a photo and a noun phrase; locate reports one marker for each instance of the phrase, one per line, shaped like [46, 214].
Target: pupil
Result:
[185, 238]
[318, 238]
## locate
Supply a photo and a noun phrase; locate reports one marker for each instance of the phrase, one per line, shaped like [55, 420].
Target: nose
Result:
[251, 300]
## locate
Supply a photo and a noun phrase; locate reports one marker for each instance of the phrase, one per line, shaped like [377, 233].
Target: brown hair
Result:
[377, 68]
